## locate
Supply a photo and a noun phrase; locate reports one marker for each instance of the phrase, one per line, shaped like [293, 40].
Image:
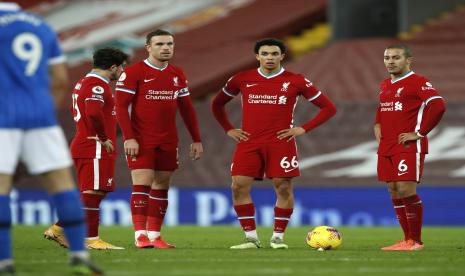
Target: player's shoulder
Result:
[135, 67]
[419, 79]
[176, 70]
[245, 75]
[95, 82]
[294, 76]
[385, 83]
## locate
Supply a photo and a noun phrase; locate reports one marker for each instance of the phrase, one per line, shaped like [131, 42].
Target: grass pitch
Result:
[204, 251]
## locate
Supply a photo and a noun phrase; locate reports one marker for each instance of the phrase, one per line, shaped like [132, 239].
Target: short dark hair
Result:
[407, 50]
[104, 58]
[158, 32]
[270, 42]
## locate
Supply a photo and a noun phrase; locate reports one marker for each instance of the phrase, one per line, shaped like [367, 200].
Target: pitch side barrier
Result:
[313, 206]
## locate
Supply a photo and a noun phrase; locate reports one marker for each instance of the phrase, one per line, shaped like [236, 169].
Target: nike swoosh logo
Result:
[399, 174]
[286, 171]
[250, 85]
[147, 80]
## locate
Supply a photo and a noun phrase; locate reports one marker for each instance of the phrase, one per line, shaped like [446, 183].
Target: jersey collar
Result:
[147, 61]
[98, 77]
[403, 77]
[272, 75]
[9, 6]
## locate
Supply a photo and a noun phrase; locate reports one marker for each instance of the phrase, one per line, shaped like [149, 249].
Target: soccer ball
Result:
[324, 237]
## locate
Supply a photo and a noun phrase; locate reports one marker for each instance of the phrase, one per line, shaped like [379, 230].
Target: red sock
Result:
[281, 218]
[139, 204]
[399, 208]
[91, 204]
[246, 216]
[414, 212]
[158, 203]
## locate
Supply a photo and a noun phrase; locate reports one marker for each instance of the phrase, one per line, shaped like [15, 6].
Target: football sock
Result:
[5, 228]
[414, 212]
[399, 208]
[91, 203]
[281, 219]
[139, 204]
[246, 215]
[71, 216]
[158, 204]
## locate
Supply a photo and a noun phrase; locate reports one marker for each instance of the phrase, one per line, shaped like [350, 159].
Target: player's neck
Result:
[157, 63]
[401, 74]
[102, 73]
[269, 72]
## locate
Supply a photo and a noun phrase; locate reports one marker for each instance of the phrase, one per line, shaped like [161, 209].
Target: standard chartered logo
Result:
[397, 106]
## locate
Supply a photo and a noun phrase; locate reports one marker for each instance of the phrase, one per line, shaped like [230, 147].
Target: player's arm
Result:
[59, 81]
[95, 116]
[433, 113]
[327, 110]
[189, 116]
[126, 88]
[377, 126]
[219, 112]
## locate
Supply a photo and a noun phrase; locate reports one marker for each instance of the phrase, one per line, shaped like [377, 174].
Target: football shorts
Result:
[406, 166]
[266, 160]
[40, 149]
[163, 157]
[95, 174]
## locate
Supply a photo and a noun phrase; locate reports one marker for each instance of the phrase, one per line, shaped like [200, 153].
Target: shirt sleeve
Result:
[232, 87]
[128, 81]
[426, 92]
[183, 84]
[307, 89]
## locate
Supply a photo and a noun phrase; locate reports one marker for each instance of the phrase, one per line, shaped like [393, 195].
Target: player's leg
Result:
[282, 211]
[142, 174]
[166, 162]
[409, 170]
[95, 178]
[386, 172]
[247, 165]
[6, 258]
[45, 152]
[141, 179]
[158, 205]
[10, 141]
[245, 210]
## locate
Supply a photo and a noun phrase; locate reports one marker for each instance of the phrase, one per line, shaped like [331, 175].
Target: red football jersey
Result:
[401, 106]
[154, 104]
[268, 102]
[92, 88]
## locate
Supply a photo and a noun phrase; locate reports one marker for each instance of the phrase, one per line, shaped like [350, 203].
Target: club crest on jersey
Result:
[98, 90]
[109, 181]
[285, 86]
[175, 81]
[399, 90]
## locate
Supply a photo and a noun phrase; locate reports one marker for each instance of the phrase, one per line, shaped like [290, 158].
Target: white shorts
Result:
[40, 149]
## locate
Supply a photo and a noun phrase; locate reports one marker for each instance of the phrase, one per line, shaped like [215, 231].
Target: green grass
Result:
[204, 251]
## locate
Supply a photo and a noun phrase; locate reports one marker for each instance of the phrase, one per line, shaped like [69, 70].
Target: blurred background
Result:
[337, 44]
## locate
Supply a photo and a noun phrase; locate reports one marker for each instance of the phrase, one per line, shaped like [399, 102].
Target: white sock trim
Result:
[153, 235]
[251, 234]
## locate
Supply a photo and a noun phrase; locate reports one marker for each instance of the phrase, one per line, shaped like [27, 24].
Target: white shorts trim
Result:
[40, 149]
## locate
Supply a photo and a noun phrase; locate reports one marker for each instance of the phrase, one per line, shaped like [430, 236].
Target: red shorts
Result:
[163, 157]
[95, 174]
[270, 160]
[406, 166]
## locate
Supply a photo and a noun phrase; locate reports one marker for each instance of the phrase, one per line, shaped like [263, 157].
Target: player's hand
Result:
[108, 144]
[238, 134]
[409, 136]
[196, 151]
[290, 133]
[131, 148]
[377, 129]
